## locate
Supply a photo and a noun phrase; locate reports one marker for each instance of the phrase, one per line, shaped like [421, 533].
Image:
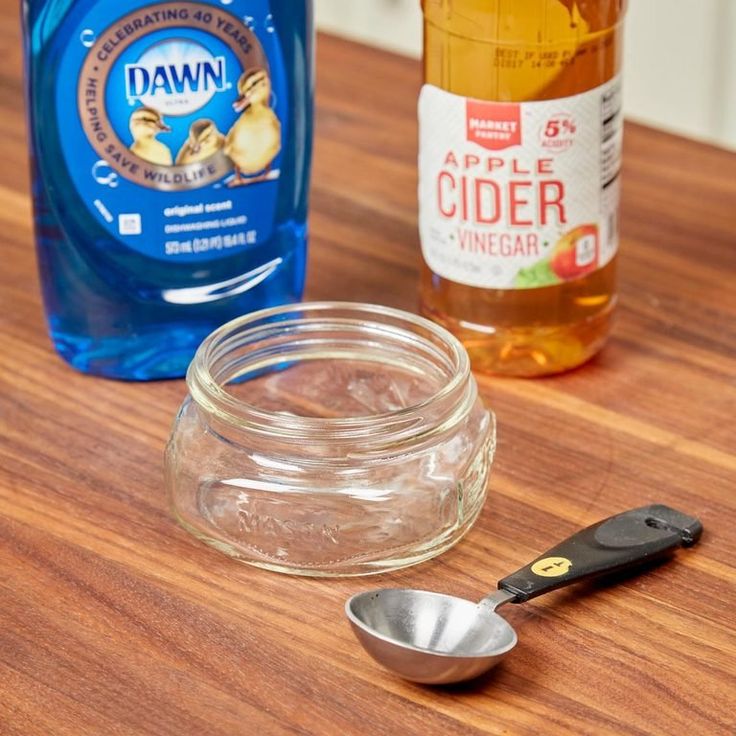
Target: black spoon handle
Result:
[613, 545]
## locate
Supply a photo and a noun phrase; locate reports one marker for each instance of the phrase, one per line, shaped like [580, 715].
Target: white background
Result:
[680, 56]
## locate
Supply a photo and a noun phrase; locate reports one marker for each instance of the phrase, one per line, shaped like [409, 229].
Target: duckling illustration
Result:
[204, 141]
[254, 141]
[145, 124]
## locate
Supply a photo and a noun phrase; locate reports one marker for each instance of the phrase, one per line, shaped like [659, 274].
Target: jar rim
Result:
[454, 398]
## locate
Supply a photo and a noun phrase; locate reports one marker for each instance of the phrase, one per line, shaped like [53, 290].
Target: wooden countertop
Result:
[115, 621]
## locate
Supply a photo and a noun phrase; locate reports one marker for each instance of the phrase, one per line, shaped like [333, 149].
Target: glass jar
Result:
[330, 439]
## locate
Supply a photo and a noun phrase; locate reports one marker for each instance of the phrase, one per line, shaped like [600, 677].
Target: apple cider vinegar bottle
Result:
[520, 150]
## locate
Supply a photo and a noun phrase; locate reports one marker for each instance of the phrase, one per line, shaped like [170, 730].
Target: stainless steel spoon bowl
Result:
[438, 639]
[429, 637]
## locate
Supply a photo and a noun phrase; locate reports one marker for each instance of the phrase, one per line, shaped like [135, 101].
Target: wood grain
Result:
[115, 621]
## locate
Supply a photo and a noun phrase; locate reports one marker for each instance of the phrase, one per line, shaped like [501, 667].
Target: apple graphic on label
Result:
[576, 253]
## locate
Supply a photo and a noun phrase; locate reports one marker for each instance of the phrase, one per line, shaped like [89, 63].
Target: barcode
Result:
[612, 229]
[611, 134]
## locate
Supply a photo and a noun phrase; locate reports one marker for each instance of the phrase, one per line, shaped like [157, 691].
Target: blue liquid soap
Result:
[171, 149]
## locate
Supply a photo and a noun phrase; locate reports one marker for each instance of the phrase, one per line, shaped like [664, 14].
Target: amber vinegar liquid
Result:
[517, 51]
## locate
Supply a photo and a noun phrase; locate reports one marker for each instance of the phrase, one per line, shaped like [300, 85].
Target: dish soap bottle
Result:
[520, 150]
[170, 150]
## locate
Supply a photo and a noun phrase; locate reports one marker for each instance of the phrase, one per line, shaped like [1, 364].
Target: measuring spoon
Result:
[438, 639]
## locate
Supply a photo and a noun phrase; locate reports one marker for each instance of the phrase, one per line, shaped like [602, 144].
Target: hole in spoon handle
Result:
[622, 542]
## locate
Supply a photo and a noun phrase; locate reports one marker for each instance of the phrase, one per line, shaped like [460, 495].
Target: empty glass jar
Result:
[330, 439]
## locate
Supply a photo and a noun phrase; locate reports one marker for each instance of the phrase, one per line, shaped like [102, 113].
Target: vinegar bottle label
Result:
[519, 195]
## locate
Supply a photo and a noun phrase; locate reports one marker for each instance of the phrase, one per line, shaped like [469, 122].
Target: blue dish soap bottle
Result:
[171, 149]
